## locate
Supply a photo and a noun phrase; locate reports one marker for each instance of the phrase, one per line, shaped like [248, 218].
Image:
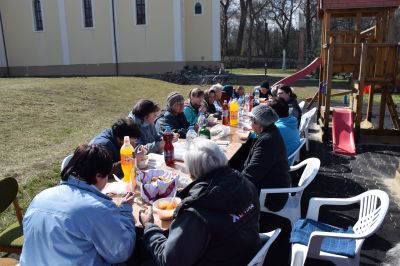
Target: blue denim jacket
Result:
[75, 224]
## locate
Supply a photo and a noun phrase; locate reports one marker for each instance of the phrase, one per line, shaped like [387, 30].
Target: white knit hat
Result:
[264, 115]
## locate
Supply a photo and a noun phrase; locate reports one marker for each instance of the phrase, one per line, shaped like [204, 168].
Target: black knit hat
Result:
[265, 84]
[174, 97]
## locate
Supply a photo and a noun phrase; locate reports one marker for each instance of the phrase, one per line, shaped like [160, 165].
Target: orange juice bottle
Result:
[127, 162]
[233, 113]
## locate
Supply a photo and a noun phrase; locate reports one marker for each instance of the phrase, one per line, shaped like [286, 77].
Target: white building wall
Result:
[25, 47]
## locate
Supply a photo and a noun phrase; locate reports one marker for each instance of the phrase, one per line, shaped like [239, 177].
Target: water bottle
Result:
[201, 120]
[190, 135]
[256, 97]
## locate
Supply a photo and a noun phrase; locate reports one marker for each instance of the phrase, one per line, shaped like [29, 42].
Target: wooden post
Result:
[329, 73]
[393, 113]
[370, 102]
[361, 84]
[382, 107]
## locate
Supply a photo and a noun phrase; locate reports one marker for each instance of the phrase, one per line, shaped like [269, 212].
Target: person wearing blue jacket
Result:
[74, 223]
[286, 124]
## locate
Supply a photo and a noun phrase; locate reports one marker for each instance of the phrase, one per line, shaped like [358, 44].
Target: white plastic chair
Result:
[370, 218]
[305, 123]
[295, 156]
[269, 237]
[292, 208]
[301, 104]
[65, 161]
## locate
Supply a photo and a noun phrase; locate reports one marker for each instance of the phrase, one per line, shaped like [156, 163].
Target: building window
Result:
[198, 9]
[37, 12]
[140, 12]
[87, 13]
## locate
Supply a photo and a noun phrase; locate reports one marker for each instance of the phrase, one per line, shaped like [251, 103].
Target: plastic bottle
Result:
[201, 120]
[190, 135]
[250, 103]
[256, 97]
[233, 113]
[205, 132]
[127, 163]
[225, 114]
[168, 147]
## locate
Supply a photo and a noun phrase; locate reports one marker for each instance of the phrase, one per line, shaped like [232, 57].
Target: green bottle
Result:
[204, 132]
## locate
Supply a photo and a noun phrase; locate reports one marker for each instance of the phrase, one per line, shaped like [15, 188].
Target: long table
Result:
[234, 144]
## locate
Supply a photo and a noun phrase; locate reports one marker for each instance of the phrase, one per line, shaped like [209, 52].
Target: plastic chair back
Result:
[8, 192]
[373, 207]
[66, 161]
[295, 156]
[259, 258]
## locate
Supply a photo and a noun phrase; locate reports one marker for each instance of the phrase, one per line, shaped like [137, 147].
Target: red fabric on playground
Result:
[367, 89]
[343, 132]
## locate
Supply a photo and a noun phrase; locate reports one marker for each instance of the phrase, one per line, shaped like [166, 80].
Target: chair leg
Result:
[298, 258]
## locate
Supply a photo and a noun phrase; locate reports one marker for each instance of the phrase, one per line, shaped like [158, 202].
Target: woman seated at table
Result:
[194, 106]
[286, 124]
[74, 223]
[267, 167]
[217, 221]
[218, 94]
[173, 115]
[144, 113]
[209, 100]
[286, 93]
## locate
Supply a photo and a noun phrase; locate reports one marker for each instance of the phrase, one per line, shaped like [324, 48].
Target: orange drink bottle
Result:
[233, 113]
[127, 163]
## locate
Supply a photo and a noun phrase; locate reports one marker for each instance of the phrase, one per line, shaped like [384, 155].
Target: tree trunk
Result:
[308, 18]
[242, 24]
[224, 37]
[249, 47]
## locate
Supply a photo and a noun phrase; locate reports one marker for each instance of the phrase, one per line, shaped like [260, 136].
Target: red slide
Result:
[301, 73]
[342, 132]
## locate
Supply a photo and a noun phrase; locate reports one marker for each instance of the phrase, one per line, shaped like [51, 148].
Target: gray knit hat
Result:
[264, 115]
[174, 97]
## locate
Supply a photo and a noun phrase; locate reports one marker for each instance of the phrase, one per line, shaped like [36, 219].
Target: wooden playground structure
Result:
[369, 54]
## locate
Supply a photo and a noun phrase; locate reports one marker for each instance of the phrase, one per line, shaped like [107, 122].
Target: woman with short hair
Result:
[144, 114]
[74, 223]
[217, 220]
[209, 99]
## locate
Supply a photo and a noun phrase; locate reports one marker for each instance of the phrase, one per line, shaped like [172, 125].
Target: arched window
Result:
[198, 9]
[87, 13]
[37, 13]
[140, 12]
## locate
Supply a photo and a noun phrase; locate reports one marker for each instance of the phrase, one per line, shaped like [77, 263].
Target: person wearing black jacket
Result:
[266, 166]
[173, 116]
[217, 220]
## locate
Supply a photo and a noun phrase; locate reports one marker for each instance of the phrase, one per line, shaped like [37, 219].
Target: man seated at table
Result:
[264, 90]
[217, 221]
[194, 106]
[113, 139]
[74, 223]
[209, 100]
[173, 115]
[286, 124]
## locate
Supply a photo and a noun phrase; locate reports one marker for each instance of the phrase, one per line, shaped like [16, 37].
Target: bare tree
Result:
[254, 10]
[281, 12]
[242, 25]
[225, 4]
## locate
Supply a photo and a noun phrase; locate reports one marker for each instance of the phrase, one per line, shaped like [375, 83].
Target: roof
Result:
[346, 4]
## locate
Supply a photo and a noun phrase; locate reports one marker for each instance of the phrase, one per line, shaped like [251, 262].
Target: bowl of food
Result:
[165, 207]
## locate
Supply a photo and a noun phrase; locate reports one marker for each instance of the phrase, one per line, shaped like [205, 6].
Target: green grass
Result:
[248, 71]
[43, 120]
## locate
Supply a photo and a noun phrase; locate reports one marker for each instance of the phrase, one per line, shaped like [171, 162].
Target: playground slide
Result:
[301, 73]
[342, 132]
